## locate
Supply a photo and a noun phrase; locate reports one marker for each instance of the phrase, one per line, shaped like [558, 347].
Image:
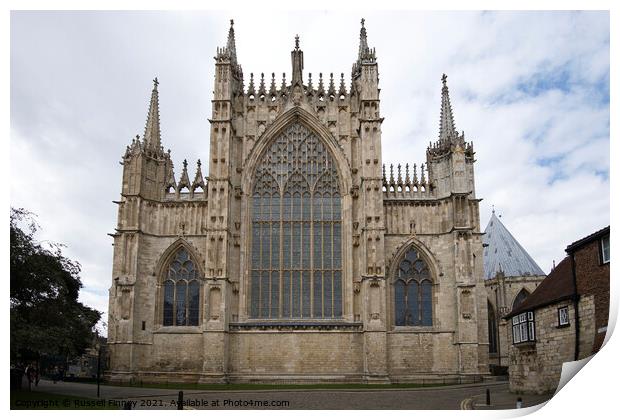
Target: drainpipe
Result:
[576, 306]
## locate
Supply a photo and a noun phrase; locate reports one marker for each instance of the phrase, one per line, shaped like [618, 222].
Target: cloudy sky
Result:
[530, 89]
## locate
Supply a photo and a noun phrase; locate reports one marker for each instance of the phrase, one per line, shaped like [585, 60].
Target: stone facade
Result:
[537, 367]
[511, 275]
[579, 286]
[431, 209]
[502, 292]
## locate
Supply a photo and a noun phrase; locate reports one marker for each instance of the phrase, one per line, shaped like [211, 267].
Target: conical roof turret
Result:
[504, 253]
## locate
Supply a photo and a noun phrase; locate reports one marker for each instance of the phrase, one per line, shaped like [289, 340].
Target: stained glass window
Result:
[413, 292]
[296, 230]
[181, 291]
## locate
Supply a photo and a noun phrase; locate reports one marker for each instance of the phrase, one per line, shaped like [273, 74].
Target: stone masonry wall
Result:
[536, 367]
[282, 354]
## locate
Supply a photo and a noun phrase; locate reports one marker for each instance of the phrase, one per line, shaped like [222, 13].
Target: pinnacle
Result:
[365, 54]
[297, 63]
[152, 133]
[447, 129]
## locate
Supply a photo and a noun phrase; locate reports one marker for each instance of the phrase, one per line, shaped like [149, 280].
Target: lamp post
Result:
[98, 366]
[98, 347]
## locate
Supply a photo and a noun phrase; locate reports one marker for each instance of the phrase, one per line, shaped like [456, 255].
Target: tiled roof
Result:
[557, 286]
[572, 247]
[504, 253]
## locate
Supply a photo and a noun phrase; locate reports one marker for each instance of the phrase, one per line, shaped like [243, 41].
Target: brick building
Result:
[590, 259]
[564, 319]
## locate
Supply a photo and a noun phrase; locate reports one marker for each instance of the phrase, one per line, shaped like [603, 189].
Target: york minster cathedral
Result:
[299, 256]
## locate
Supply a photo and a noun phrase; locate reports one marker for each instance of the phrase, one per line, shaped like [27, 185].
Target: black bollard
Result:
[488, 396]
[180, 401]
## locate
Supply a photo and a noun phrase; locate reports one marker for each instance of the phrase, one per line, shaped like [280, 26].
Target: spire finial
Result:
[184, 181]
[231, 49]
[297, 60]
[365, 54]
[152, 133]
[447, 129]
[363, 50]
[493, 208]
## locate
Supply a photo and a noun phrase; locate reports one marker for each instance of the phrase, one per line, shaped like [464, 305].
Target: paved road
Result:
[450, 397]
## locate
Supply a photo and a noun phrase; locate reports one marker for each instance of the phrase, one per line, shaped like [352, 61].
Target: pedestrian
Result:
[29, 375]
[56, 374]
[36, 375]
[19, 372]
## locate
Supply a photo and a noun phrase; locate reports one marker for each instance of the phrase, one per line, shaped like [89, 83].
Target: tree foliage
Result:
[46, 317]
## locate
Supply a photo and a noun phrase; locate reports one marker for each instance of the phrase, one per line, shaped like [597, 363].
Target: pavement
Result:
[453, 397]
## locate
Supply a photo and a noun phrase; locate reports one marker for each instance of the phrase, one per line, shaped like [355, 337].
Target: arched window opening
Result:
[492, 328]
[520, 298]
[296, 243]
[181, 296]
[413, 292]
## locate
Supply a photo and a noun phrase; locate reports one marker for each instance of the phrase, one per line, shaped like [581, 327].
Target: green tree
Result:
[46, 318]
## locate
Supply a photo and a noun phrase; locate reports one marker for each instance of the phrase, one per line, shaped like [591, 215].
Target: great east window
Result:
[296, 237]
[413, 297]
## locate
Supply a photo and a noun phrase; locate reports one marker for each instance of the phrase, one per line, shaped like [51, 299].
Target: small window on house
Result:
[563, 316]
[523, 329]
[605, 249]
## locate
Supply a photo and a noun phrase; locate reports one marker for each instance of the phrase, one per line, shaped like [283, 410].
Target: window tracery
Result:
[181, 296]
[413, 292]
[296, 230]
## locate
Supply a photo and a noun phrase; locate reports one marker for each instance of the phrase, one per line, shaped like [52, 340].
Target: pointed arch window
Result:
[296, 244]
[523, 294]
[492, 328]
[413, 292]
[181, 291]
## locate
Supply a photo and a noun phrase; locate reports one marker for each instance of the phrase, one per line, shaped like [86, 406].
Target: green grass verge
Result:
[33, 400]
[251, 387]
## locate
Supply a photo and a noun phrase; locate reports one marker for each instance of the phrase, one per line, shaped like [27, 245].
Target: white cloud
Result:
[529, 88]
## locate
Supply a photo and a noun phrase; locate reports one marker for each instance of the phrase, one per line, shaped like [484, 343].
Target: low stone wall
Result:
[300, 353]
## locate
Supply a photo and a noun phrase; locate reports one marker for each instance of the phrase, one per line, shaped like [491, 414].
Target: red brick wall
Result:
[593, 279]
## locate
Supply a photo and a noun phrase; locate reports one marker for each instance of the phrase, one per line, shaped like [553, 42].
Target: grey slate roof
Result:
[505, 253]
